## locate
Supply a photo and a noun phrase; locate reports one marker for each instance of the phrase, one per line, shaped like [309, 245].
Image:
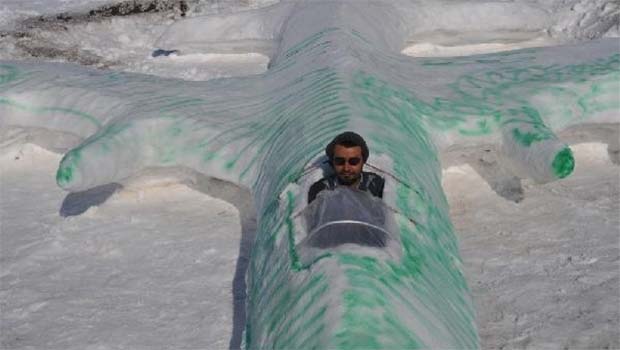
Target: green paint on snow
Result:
[563, 163]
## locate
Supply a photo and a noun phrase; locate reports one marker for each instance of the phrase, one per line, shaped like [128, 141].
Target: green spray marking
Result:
[8, 73]
[65, 172]
[427, 249]
[307, 43]
[528, 138]
[43, 110]
[563, 163]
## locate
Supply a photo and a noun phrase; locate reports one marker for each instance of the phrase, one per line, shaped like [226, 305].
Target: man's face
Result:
[348, 163]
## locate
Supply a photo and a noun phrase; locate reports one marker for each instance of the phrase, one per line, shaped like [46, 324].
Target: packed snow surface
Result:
[152, 267]
[151, 264]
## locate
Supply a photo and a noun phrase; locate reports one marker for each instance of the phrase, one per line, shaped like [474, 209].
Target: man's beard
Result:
[348, 181]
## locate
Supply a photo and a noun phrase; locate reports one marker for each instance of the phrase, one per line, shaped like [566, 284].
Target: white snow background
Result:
[151, 265]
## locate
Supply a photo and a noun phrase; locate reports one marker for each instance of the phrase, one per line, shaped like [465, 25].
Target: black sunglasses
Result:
[351, 161]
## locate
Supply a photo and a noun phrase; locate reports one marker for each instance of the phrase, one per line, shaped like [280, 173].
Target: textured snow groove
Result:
[334, 66]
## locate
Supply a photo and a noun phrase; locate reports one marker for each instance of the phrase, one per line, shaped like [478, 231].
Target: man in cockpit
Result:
[347, 154]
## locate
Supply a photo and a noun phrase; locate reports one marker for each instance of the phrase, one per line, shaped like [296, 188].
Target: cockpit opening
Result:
[346, 216]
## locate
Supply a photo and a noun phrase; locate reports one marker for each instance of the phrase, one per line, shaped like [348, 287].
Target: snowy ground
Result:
[152, 267]
[147, 268]
[544, 272]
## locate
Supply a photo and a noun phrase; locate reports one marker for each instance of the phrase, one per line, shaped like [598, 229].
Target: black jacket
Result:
[370, 182]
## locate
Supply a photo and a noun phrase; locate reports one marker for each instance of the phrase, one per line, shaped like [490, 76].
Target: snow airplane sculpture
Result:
[335, 65]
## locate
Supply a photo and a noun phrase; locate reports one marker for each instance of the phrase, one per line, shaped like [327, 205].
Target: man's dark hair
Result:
[347, 139]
